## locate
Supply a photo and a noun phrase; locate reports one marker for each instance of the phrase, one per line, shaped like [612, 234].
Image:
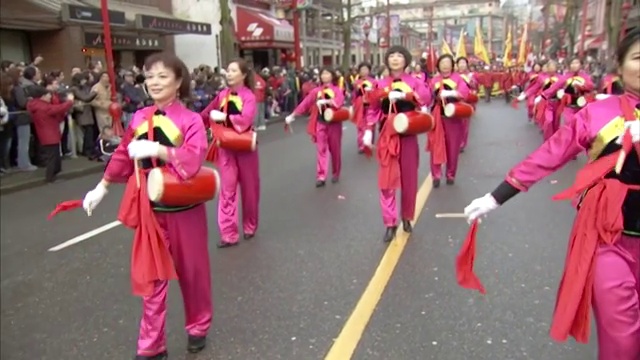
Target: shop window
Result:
[14, 46]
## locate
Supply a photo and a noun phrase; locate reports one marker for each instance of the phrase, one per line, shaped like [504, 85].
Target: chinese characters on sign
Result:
[96, 40]
[172, 25]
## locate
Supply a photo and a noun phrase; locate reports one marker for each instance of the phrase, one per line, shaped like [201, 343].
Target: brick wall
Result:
[61, 49]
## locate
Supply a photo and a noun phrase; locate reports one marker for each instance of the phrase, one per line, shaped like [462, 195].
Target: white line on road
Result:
[85, 236]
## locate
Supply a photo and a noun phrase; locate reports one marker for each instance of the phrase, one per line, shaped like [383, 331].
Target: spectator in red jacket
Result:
[47, 118]
[260, 91]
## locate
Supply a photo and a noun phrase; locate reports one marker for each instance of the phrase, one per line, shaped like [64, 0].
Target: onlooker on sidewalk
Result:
[6, 86]
[260, 92]
[47, 118]
[83, 114]
[102, 101]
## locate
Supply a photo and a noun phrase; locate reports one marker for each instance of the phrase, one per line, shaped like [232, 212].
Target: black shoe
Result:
[361, 151]
[162, 356]
[224, 244]
[390, 234]
[406, 226]
[436, 183]
[196, 343]
[461, 150]
[249, 236]
[335, 180]
[320, 183]
[450, 181]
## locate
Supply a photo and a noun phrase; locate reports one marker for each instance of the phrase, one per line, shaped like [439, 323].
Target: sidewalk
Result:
[71, 169]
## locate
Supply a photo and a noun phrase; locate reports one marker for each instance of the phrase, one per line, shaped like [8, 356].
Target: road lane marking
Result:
[86, 236]
[345, 344]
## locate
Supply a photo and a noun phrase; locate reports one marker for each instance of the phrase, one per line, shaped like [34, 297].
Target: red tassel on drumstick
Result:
[465, 261]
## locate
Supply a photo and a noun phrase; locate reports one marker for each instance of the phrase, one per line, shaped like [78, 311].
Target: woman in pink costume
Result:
[327, 136]
[360, 97]
[611, 84]
[530, 82]
[575, 84]
[545, 108]
[235, 108]
[180, 145]
[445, 141]
[469, 78]
[398, 155]
[603, 263]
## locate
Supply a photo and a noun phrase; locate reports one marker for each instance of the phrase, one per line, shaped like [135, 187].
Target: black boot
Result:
[390, 234]
[450, 181]
[162, 356]
[406, 226]
[249, 236]
[196, 343]
[436, 183]
[224, 244]
[320, 183]
[335, 180]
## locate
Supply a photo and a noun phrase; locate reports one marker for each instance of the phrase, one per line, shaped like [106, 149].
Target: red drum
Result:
[229, 139]
[166, 188]
[458, 110]
[472, 98]
[413, 123]
[337, 115]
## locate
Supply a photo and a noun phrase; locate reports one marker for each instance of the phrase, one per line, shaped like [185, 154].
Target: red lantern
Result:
[283, 56]
[292, 57]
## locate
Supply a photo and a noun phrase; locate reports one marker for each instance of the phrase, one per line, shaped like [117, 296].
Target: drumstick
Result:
[136, 168]
[450, 216]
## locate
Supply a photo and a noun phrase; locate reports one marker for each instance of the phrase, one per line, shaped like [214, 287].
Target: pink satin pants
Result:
[453, 136]
[616, 304]
[409, 162]
[550, 125]
[465, 133]
[328, 139]
[238, 169]
[187, 236]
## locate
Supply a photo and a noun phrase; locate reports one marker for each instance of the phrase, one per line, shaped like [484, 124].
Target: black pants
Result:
[89, 141]
[51, 159]
[6, 136]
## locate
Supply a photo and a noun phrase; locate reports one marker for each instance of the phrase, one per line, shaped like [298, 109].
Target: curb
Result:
[37, 182]
[73, 174]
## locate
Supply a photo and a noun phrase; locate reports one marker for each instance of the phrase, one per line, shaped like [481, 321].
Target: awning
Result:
[152, 19]
[33, 15]
[590, 43]
[258, 29]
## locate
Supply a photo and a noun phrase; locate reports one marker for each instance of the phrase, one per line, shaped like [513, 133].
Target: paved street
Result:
[288, 293]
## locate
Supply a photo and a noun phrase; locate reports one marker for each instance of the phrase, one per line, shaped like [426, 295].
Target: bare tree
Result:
[347, 23]
[613, 26]
[227, 48]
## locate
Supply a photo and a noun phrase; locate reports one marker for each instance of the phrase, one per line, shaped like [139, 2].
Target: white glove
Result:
[217, 116]
[289, 119]
[480, 207]
[367, 89]
[577, 81]
[560, 94]
[143, 149]
[367, 138]
[93, 198]
[634, 129]
[448, 94]
[522, 97]
[425, 109]
[602, 96]
[323, 102]
[396, 95]
[537, 100]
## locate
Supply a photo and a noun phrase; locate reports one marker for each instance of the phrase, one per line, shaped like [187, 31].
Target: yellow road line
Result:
[346, 343]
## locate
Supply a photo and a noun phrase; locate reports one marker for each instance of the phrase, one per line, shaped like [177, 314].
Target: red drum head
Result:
[413, 123]
[164, 187]
[337, 115]
[229, 139]
[472, 98]
[458, 110]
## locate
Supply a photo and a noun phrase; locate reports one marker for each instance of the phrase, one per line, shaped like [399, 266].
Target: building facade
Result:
[198, 49]
[69, 33]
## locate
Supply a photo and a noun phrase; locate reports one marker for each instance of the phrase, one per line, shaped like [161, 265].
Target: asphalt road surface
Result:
[288, 293]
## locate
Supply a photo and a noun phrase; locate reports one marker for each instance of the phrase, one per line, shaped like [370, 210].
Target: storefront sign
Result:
[125, 42]
[176, 26]
[90, 15]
